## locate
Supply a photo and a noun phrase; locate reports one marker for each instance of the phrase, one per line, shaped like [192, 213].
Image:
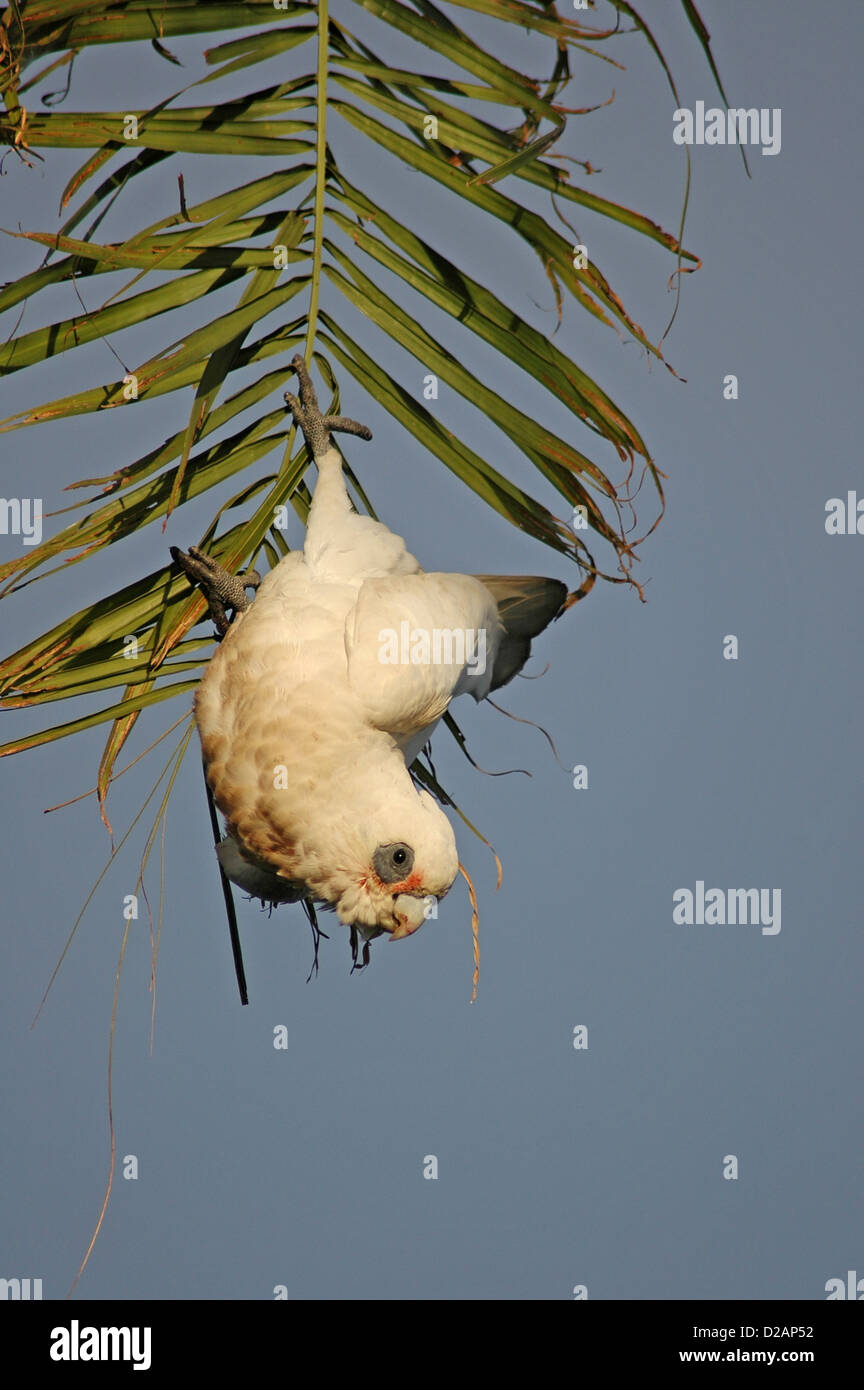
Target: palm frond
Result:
[304, 227]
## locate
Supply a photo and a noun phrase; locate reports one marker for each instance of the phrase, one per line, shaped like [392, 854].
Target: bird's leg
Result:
[306, 414]
[221, 589]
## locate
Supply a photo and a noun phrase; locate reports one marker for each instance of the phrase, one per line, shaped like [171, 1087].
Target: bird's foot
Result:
[221, 589]
[307, 415]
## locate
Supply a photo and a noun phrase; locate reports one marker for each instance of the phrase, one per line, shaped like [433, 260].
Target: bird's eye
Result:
[393, 862]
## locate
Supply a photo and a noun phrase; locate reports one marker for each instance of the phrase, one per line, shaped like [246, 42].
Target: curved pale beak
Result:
[410, 913]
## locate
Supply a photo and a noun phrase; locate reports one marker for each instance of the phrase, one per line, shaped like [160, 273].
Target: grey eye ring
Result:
[393, 862]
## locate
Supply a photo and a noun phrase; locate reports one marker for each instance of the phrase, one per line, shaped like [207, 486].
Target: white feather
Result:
[307, 733]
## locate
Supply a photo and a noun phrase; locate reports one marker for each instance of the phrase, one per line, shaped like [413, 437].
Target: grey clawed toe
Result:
[307, 416]
[221, 589]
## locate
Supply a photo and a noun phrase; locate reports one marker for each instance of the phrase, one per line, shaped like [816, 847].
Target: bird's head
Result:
[398, 861]
[356, 835]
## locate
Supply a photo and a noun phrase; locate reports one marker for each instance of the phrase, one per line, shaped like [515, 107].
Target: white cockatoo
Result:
[323, 691]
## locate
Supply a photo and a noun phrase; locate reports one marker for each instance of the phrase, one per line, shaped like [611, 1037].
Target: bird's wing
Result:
[415, 641]
[527, 603]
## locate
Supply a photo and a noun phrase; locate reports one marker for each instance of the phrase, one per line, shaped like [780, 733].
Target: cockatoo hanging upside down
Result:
[324, 690]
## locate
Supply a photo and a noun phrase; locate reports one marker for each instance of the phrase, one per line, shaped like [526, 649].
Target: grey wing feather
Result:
[526, 605]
